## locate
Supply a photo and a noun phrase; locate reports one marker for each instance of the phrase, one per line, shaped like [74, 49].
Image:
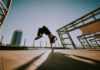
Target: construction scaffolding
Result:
[80, 23]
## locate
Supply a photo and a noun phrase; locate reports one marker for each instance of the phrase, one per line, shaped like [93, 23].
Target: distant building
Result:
[16, 38]
[7, 44]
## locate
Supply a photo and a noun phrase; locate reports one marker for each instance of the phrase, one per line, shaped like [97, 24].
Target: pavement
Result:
[45, 59]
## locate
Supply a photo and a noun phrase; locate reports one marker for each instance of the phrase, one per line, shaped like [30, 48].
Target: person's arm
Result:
[56, 37]
[51, 47]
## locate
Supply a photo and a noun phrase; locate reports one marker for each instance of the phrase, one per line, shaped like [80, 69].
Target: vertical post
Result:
[58, 44]
[99, 40]
[93, 16]
[46, 44]
[1, 40]
[40, 43]
[81, 43]
[87, 42]
[82, 21]
[92, 44]
[55, 44]
[33, 42]
[74, 46]
[60, 39]
[97, 43]
[24, 42]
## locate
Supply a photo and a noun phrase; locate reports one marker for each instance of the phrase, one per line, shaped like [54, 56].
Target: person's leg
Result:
[40, 31]
[46, 30]
[39, 34]
[52, 48]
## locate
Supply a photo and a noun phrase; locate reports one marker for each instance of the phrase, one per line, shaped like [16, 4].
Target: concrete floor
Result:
[60, 59]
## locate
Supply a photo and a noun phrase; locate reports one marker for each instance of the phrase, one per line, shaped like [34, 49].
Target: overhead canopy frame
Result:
[86, 37]
[78, 23]
[5, 11]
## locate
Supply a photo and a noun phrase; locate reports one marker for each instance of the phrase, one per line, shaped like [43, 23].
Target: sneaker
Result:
[38, 37]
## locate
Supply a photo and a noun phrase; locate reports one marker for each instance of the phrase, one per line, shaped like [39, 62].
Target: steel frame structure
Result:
[4, 11]
[78, 23]
[96, 42]
[85, 40]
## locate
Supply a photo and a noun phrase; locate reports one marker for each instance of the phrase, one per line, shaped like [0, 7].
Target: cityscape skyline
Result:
[29, 15]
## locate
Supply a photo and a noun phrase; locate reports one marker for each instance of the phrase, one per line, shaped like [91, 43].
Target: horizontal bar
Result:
[67, 44]
[84, 25]
[65, 38]
[89, 36]
[93, 41]
[74, 25]
[81, 17]
[63, 33]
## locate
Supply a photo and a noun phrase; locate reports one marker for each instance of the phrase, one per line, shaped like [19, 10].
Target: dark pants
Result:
[45, 30]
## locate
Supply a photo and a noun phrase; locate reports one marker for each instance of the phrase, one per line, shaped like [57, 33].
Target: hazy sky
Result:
[29, 15]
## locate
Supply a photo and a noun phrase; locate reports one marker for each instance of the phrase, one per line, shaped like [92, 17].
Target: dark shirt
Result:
[51, 40]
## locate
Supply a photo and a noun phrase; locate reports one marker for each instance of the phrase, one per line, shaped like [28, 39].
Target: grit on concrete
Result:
[60, 59]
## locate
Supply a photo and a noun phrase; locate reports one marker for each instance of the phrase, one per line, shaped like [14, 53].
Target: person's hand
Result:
[54, 41]
[56, 37]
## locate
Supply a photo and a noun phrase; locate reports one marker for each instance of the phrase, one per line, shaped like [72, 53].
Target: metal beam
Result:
[81, 43]
[74, 46]
[82, 17]
[60, 39]
[75, 25]
[84, 25]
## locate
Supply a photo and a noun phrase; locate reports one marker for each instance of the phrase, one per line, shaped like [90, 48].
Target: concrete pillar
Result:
[46, 44]
[24, 42]
[1, 40]
[33, 42]
[40, 43]
[55, 44]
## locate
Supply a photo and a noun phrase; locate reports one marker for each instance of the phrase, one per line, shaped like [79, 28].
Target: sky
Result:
[29, 15]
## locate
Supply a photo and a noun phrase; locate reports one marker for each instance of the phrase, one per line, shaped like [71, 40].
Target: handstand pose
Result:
[45, 30]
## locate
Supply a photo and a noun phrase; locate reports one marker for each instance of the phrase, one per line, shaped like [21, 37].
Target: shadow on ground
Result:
[60, 61]
[23, 67]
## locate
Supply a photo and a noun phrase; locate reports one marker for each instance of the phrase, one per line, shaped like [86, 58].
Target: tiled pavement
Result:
[60, 59]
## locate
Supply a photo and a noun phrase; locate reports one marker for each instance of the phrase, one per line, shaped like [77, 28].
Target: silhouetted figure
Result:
[45, 30]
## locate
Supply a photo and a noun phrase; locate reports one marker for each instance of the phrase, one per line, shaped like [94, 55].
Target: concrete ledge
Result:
[25, 48]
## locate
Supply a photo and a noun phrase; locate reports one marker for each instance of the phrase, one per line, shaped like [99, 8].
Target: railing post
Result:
[46, 44]
[1, 40]
[55, 44]
[24, 42]
[40, 43]
[33, 42]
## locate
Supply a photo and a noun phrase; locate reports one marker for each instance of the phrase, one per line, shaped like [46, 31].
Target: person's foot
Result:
[38, 37]
[52, 50]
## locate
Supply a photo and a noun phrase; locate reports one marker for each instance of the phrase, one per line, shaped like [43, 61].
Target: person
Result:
[45, 30]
